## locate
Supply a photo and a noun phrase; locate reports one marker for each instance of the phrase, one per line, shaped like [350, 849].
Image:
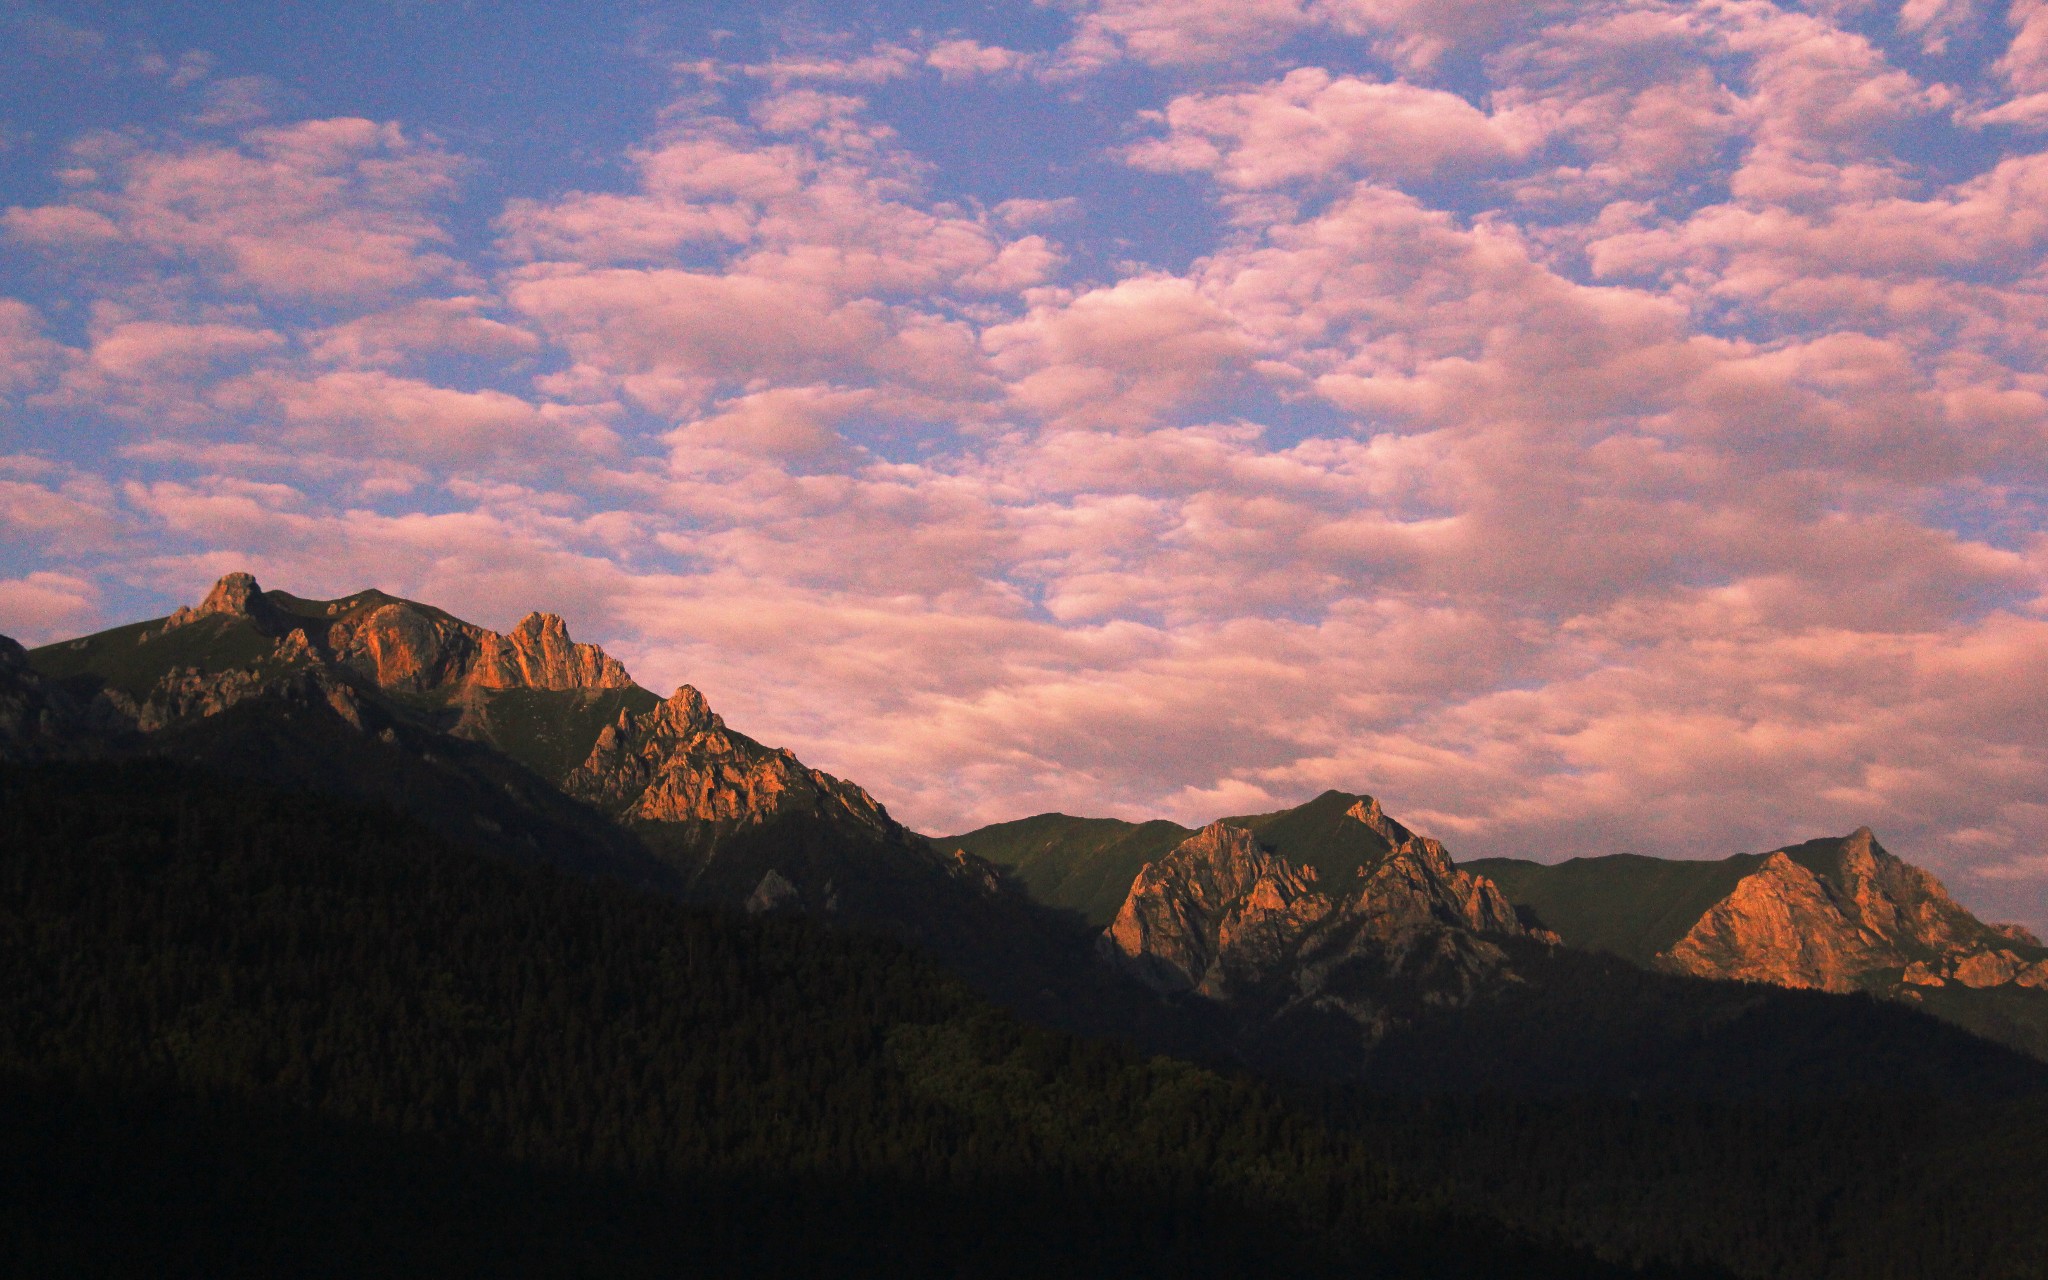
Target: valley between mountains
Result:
[1603, 1008]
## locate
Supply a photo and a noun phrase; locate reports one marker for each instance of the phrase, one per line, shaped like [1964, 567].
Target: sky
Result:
[1589, 427]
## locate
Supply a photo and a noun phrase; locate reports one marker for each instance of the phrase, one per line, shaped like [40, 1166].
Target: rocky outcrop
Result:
[1224, 918]
[235, 596]
[680, 764]
[189, 693]
[403, 646]
[1217, 903]
[1847, 915]
[538, 654]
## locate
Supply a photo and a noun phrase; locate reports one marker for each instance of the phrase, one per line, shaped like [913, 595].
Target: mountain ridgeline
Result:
[617, 778]
[1836, 914]
[356, 885]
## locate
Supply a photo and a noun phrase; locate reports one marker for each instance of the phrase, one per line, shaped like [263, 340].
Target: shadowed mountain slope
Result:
[534, 744]
[268, 1033]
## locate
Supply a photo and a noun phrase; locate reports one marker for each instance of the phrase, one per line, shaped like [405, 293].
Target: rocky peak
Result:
[1837, 914]
[678, 763]
[1368, 811]
[685, 713]
[233, 594]
[1192, 916]
[402, 645]
[538, 654]
[1220, 913]
[236, 595]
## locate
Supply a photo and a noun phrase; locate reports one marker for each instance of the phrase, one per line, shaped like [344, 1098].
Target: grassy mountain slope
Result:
[1625, 903]
[1320, 835]
[1082, 864]
[1087, 864]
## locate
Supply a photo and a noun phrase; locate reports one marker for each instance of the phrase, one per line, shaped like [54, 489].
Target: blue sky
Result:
[1588, 426]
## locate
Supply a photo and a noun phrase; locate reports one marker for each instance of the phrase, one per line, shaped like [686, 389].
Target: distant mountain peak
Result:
[1833, 913]
[235, 595]
[409, 646]
[679, 763]
[1224, 916]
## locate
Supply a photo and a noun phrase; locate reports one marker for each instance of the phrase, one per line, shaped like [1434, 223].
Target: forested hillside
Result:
[256, 1032]
[268, 1033]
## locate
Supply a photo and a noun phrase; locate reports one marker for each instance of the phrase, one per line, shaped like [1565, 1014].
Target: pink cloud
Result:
[1183, 32]
[44, 606]
[831, 265]
[1119, 356]
[376, 412]
[429, 326]
[969, 59]
[55, 510]
[668, 338]
[1417, 34]
[141, 350]
[2024, 65]
[878, 65]
[323, 209]
[27, 356]
[1311, 125]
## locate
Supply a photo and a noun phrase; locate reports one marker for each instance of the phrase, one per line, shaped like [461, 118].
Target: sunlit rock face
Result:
[1843, 915]
[405, 646]
[242, 642]
[1224, 918]
[679, 763]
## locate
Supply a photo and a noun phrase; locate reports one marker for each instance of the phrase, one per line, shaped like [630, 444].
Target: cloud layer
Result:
[1592, 427]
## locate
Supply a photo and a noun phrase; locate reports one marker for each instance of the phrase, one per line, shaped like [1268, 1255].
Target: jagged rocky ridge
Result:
[1851, 924]
[1327, 914]
[1287, 920]
[1226, 918]
[754, 823]
[1838, 914]
[731, 820]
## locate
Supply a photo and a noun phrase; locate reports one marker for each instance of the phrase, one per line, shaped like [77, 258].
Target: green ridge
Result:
[1320, 834]
[1083, 864]
[131, 660]
[551, 731]
[1625, 903]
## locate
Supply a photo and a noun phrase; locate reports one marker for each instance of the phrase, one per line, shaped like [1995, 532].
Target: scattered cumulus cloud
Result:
[1591, 427]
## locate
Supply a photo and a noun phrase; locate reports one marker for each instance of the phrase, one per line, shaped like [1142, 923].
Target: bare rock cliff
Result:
[1863, 917]
[1222, 917]
[403, 646]
[679, 763]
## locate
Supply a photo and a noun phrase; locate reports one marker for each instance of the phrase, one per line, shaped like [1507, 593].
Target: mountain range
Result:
[358, 883]
[1329, 923]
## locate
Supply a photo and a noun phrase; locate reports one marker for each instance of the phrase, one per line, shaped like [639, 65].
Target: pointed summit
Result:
[236, 594]
[686, 711]
[538, 654]
[1229, 910]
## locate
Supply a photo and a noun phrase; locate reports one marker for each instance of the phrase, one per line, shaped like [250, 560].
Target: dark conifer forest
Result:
[256, 1032]
[275, 1035]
